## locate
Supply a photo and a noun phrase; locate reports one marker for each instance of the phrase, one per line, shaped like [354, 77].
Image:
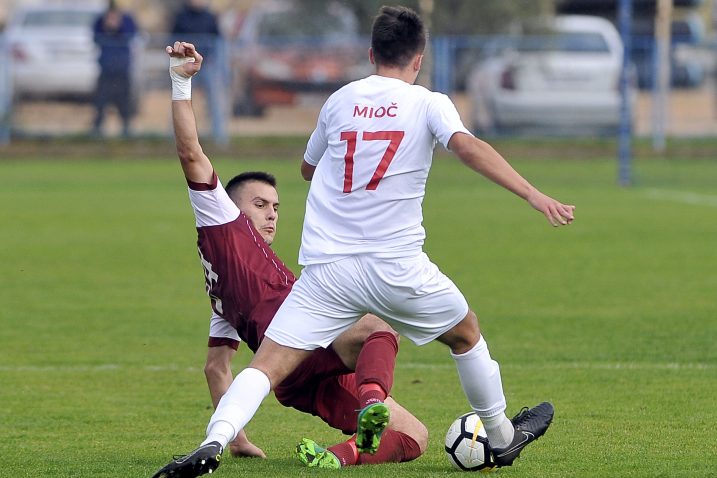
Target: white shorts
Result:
[410, 294]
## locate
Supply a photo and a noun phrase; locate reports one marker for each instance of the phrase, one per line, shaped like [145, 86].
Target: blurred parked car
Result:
[566, 80]
[281, 50]
[686, 70]
[52, 51]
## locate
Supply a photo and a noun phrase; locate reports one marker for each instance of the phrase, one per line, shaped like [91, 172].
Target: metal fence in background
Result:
[249, 90]
[5, 96]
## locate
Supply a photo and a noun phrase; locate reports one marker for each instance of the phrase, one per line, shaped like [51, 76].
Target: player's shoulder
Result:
[347, 90]
[436, 101]
[431, 95]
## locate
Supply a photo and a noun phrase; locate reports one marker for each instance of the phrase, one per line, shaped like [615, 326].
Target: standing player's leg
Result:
[480, 377]
[250, 387]
[429, 306]
[303, 323]
[305, 320]
[236, 408]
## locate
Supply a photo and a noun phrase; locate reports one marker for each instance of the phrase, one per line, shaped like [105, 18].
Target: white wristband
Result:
[182, 89]
[181, 84]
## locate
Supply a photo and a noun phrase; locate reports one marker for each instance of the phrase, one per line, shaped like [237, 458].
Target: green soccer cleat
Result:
[314, 456]
[372, 421]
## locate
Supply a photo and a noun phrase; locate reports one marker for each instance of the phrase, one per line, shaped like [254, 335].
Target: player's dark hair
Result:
[240, 179]
[398, 34]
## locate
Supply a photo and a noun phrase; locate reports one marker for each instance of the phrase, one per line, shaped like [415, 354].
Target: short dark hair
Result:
[398, 34]
[240, 179]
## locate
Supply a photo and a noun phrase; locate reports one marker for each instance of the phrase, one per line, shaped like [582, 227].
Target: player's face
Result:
[260, 203]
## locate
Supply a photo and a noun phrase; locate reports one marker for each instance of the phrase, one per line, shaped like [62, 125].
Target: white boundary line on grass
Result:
[95, 368]
[448, 365]
[581, 365]
[684, 197]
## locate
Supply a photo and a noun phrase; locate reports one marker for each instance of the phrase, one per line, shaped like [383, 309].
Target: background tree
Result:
[450, 17]
[469, 17]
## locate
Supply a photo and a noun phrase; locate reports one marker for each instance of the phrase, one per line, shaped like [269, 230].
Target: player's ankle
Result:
[346, 452]
[499, 429]
[370, 393]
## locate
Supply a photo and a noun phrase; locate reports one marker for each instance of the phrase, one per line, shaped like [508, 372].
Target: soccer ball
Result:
[467, 444]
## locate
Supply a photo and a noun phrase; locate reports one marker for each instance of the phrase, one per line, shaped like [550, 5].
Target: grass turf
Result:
[103, 318]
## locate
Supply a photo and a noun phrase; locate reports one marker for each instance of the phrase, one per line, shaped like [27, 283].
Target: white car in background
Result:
[52, 49]
[563, 81]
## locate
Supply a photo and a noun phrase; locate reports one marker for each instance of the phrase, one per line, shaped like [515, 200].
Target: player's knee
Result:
[370, 323]
[407, 424]
[267, 361]
[214, 368]
[421, 437]
[414, 441]
[389, 335]
[464, 335]
[373, 325]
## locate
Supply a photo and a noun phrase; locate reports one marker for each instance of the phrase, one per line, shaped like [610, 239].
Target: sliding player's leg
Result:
[370, 348]
[405, 438]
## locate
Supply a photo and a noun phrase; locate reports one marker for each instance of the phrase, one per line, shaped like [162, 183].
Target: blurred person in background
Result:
[195, 23]
[114, 31]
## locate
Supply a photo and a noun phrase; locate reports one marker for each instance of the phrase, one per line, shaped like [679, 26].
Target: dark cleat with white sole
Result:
[530, 424]
[202, 461]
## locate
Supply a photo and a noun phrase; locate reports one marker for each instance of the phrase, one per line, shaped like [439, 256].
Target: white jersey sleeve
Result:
[211, 203]
[443, 119]
[316, 147]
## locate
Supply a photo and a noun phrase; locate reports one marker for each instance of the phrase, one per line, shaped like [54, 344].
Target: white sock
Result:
[221, 431]
[480, 377]
[499, 429]
[238, 406]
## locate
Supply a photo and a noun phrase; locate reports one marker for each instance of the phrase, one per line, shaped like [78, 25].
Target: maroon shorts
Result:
[324, 387]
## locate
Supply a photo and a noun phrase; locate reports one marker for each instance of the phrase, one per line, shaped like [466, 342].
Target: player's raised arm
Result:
[184, 63]
[481, 157]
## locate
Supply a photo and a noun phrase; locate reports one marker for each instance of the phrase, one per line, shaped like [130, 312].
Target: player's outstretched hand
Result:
[557, 213]
[185, 60]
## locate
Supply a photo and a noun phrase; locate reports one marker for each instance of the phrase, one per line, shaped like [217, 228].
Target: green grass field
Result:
[103, 318]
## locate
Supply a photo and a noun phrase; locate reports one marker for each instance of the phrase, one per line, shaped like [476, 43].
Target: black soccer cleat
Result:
[201, 461]
[529, 424]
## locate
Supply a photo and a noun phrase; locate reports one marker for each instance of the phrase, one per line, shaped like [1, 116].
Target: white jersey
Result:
[372, 148]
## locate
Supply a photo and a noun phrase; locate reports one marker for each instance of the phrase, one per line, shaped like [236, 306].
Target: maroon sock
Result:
[370, 393]
[395, 447]
[375, 365]
[346, 452]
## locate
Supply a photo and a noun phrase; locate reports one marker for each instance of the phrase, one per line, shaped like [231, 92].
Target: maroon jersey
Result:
[245, 280]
